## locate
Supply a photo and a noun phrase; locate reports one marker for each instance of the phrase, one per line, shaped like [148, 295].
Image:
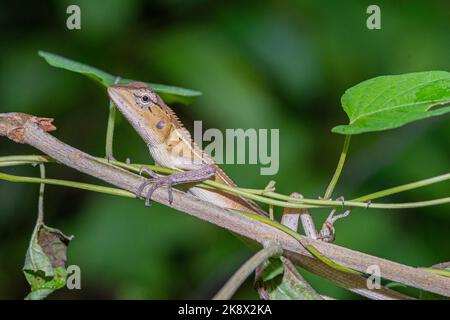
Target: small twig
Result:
[271, 249]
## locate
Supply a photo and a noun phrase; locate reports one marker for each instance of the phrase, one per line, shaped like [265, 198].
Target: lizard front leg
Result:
[305, 217]
[327, 232]
[197, 175]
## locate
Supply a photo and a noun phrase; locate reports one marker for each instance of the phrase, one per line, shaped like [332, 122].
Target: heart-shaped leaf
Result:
[168, 93]
[388, 102]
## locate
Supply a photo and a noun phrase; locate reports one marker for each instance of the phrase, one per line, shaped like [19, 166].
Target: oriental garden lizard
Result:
[171, 145]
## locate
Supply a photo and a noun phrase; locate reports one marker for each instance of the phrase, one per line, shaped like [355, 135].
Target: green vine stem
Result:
[110, 131]
[358, 202]
[254, 194]
[339, 167]
[404, 187]
[295, 202]
[40, 218]
[110, 127]
[66, 183]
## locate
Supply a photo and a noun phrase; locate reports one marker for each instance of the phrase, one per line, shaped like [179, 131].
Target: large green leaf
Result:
[44, 266]
[388, 102]
[169, 93]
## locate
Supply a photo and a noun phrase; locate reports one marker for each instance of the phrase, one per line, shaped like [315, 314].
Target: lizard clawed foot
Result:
[328, 232]
[197, 175]
[157, 181]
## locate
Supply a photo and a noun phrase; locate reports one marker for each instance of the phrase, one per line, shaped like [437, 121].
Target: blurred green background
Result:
[260, 64]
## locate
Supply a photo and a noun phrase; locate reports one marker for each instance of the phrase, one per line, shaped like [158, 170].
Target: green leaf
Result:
[280, 280]
[388, 102]
[57, 61]
[45, 261]
[169, 93]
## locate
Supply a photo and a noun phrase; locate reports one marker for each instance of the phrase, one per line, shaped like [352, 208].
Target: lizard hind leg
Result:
[328, 232]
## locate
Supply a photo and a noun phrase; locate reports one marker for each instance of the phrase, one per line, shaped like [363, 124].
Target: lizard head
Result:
[144, 109]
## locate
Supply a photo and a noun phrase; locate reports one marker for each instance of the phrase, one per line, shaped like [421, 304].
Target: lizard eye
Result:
[145, 99]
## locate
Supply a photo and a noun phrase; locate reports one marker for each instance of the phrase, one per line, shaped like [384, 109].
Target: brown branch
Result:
[28, 129]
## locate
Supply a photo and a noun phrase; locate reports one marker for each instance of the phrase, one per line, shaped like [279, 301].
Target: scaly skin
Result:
[171, 145]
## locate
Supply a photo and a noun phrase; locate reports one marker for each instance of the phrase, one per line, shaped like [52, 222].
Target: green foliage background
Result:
[260, 64]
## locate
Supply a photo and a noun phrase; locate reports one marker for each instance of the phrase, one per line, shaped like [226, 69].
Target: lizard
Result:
[171, 145]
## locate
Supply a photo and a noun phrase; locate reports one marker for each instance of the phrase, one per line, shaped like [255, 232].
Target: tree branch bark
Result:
[23, 128]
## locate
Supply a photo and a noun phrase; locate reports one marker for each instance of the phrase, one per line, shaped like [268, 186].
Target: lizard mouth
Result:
[118, 100]
[114, 95]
